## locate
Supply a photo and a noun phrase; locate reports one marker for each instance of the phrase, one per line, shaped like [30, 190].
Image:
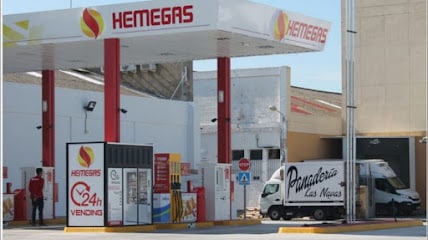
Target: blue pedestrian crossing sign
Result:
[244, 178]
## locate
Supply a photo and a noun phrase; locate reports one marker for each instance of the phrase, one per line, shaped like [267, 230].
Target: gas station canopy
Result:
[155, 32]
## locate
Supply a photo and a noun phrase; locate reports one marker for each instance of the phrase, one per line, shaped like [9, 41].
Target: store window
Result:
[256, 157]
[274, 153]
[236, 156]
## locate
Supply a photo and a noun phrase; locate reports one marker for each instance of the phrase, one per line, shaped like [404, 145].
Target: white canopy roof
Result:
[156, 32]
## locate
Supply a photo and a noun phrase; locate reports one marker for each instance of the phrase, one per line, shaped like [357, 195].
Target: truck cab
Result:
[271, 199]
[390, 194]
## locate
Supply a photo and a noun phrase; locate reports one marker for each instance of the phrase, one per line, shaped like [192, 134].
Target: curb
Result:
[366, 226]
[56, 221]
[162, 226]
[145, 228]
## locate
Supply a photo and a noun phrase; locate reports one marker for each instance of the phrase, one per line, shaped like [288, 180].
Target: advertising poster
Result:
[114, 217]
[161, 207]
[161, 173]
[8, 207]
[185, 169]
[189, 207]
[85, 184]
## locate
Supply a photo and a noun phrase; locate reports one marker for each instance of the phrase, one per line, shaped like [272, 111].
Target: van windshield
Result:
[396, 183]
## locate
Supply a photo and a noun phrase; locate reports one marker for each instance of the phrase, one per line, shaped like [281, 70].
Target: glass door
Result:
[144, 196]
[130, 206]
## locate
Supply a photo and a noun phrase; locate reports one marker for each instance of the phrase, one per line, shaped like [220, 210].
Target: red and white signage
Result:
[150, 18]
[244, 164]
[185, 169]
[161, 173]
[86, 184]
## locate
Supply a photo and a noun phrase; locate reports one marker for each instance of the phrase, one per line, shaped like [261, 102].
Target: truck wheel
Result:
[319, 214]
[275, 213]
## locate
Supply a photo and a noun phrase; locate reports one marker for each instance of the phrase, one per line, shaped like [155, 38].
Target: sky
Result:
[315, 70]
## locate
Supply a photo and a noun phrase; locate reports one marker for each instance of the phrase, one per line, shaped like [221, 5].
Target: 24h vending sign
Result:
[85, 184]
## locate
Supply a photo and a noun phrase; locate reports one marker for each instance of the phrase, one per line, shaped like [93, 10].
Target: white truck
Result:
[317, 188]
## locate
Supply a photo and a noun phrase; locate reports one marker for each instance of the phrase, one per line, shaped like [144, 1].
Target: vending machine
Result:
[48, 190]
[109, 184]
[138, 192]
[215, 177]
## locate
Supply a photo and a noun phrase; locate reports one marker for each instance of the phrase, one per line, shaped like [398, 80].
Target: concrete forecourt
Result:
[385, 228]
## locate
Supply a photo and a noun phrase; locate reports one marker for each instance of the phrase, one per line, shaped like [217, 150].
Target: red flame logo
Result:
[92, 23]
[280, 28]
[86, 156]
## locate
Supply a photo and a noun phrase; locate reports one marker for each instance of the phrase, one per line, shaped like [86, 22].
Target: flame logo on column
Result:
[280, 28]
[86, 156]
[92, 23]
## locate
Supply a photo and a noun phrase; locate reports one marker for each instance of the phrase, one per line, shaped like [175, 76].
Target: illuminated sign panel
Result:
[165, 17]
[86, 184]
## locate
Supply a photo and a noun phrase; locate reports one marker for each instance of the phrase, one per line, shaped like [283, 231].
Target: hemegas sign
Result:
[85, 184]
[295, 27]
[152, 17]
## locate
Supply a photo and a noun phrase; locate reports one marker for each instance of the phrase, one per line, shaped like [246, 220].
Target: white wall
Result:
[171, 126]
[246, 140]
[252, 92]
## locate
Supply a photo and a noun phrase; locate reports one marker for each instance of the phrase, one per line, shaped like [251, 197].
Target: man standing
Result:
[36, 195]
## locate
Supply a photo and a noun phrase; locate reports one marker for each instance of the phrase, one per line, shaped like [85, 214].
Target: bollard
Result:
[394, 210]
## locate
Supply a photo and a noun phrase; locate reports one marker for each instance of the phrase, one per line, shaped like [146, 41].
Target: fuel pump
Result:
[175, 191]
[168, 186]
[176, 202]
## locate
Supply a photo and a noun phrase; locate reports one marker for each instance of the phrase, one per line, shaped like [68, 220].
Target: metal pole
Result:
[283, 139]
[245, 201]
[350, 110]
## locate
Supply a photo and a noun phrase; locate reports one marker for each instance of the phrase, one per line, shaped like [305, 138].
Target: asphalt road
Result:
[265, 231]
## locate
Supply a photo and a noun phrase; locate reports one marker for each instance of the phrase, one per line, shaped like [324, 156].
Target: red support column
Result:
[48, 118]
[223, 110]
[48, 122]
[111, 90]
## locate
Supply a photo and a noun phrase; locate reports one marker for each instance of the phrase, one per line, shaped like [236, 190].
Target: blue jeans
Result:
[37, 205]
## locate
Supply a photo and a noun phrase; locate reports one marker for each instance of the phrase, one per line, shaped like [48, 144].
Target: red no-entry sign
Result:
[244, 164]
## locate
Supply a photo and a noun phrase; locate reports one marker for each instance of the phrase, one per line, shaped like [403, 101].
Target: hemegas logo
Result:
[280, 25]
[85, 157]
[91, 23]
[284, 26]
[138, 18]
